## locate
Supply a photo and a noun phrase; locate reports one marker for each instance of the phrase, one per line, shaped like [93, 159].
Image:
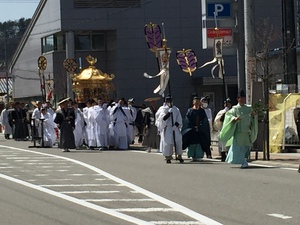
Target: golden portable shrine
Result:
[92, 83]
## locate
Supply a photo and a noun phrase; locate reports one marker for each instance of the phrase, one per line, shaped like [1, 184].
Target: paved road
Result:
[133, 187]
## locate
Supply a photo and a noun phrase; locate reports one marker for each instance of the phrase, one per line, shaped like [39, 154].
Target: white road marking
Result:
[294, 169]
[177, 222]
[79, 185]
[80, 175]
[78, 201]
[171, 204]
[60, 179]
[261, 165]
[9, 167]
[145, 210]
[88, 192]
[121, 200]
[277, 215]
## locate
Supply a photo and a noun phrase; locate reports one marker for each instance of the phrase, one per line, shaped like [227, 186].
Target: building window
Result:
[48, 43]
[90, 41]
[83, 42]
[98, 42]
[54, 42]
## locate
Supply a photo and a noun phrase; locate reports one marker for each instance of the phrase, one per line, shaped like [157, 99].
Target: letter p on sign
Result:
[218, 9]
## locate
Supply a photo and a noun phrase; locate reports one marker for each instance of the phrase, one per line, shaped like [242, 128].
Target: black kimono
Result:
[18, 119]
[65, 118]
[196, 130]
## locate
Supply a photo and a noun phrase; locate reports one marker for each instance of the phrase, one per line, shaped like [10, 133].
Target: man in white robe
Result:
[89, 118]
[169, 123]
[49, 134]
[35, 121]
[111, 133]
[4, 121]
[79, 126]
[102, 122]
[120, 123]
[131, 116]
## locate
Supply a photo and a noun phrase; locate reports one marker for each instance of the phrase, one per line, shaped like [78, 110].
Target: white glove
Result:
[118, 105]
[170, 110]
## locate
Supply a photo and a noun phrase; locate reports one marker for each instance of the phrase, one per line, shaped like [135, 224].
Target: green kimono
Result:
[239, 134]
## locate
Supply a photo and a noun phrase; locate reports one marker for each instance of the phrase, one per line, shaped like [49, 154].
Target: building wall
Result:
[182, 25]
[24, 71]
[130, 56]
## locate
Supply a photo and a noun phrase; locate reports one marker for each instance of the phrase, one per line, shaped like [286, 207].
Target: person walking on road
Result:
[240, 124]
[169, 123]
[152, 137]
[218, 123]
[65, 120]
[4, 121]
[196, 131]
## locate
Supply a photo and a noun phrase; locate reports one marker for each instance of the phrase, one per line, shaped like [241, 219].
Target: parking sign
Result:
[221, 9]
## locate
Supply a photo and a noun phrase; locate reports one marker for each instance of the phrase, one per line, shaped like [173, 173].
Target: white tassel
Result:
[205, 64]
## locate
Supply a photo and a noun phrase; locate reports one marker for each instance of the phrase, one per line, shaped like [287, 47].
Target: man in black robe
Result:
[65, 120]
[196, 132]
[18, 117]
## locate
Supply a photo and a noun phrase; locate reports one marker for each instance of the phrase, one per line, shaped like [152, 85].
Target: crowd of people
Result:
[115, 124]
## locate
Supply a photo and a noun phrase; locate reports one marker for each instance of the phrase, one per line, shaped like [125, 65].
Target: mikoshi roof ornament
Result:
[158, 45]
[187, 60]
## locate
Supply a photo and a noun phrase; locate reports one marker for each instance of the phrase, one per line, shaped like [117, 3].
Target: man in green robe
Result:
[240, 127]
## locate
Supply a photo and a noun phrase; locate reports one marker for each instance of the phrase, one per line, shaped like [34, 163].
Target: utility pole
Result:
[289, 43]
[241, 46]
[250, 59]
[6, 66]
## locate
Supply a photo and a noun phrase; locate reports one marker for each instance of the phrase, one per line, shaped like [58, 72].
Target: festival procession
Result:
[92, 119]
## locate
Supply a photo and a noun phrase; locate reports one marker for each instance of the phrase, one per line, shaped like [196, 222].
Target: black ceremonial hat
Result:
[168, 98]
[241, 94]
[228, 100]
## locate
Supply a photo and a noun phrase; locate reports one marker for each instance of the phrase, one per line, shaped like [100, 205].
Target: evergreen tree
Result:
[11, 33]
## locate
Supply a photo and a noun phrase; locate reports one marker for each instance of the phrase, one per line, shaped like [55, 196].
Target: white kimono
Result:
[131, 116]
[209, 117]
[102, 122]
[49, 130]
[79, 128]
[4, 121]
[89, 118]
[166, 130]
[36, 115]
[120, 123]
[111, 134]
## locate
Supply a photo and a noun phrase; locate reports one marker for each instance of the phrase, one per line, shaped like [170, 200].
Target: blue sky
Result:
[16, 9]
